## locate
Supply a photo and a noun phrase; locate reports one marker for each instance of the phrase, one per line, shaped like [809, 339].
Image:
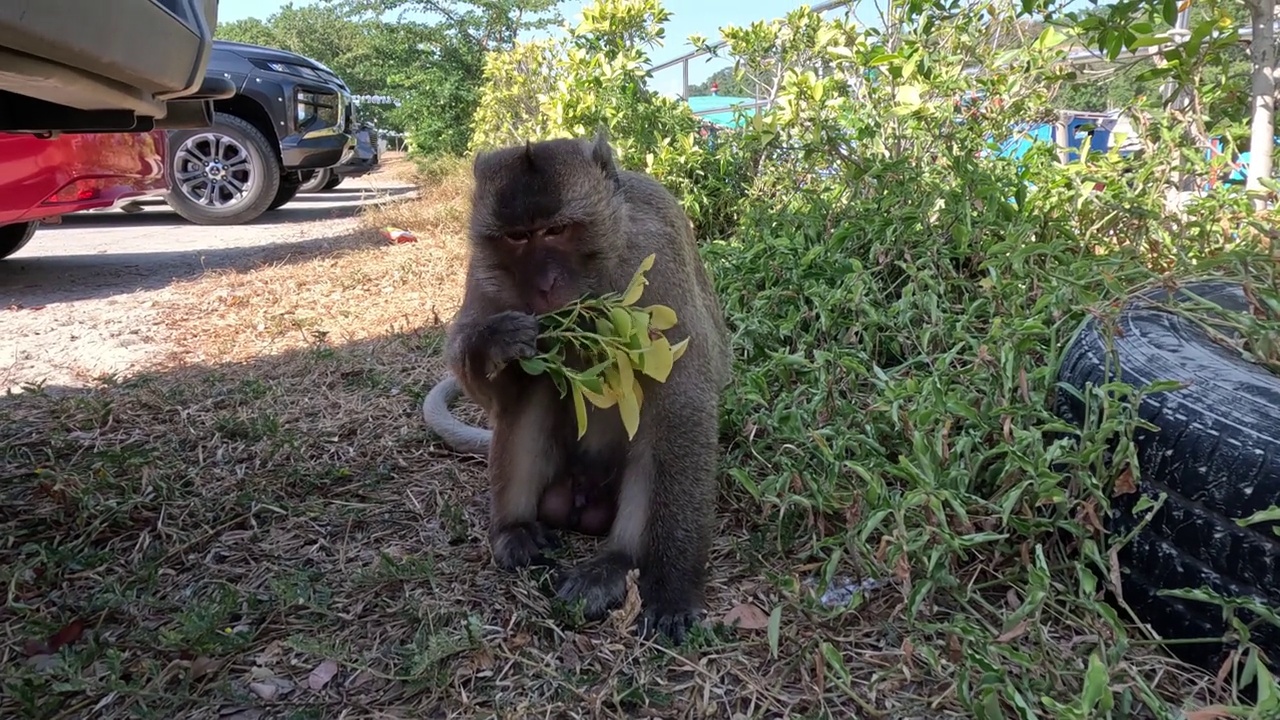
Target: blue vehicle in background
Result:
[1094, 128]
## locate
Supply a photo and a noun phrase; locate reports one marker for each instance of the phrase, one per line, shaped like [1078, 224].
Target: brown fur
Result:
[614, 218]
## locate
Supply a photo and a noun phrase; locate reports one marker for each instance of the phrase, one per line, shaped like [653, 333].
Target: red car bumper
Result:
[41, 178]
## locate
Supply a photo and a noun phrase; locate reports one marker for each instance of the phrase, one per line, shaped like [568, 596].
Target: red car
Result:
[43, 178]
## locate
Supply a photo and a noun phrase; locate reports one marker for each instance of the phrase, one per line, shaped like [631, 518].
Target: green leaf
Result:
[579, 409]
[775, 630]
[533, 365]
[1097, 686]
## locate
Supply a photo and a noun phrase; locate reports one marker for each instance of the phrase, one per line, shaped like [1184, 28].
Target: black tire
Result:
[290, 182]
[334, 181]
[263, 164]
[14, 237]
[1216, 457]
[313, 180]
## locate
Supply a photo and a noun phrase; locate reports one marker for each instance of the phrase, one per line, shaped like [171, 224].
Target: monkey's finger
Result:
[546, 539]
[673, 625]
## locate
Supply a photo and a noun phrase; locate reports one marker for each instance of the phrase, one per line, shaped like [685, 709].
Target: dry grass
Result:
[266, 529]
[397, 166]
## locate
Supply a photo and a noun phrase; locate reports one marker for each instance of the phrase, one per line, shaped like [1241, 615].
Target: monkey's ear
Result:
[602, 154]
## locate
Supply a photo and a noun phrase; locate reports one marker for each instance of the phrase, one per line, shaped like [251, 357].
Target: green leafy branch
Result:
[627, 340]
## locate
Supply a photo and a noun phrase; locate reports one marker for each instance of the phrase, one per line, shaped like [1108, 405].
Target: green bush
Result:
[899, 297]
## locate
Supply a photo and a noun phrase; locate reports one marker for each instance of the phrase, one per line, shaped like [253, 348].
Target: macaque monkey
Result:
[552, 222]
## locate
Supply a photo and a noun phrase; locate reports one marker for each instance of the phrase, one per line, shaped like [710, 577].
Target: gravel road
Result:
[80, 301]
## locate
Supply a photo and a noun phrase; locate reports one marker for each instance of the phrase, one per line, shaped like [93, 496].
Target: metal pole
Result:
[1060, 137]
[684, 85]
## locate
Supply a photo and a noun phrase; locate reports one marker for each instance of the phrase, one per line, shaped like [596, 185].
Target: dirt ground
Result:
[86, 299]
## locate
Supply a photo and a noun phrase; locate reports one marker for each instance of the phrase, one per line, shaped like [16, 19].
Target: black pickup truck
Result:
[289, 115]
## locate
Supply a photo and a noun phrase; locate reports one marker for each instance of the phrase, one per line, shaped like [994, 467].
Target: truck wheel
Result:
[334, 181]
[290, 182]
[227, 174]
[14, 237]
[315, 182]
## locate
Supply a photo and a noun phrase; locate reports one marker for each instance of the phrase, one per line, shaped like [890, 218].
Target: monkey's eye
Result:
[556, 230]
[518, 238]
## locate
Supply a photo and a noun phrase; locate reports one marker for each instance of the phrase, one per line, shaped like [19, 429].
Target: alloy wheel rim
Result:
[214, 170]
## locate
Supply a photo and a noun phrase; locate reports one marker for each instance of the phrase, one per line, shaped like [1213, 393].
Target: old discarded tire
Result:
[15, 237]
[1216, 457]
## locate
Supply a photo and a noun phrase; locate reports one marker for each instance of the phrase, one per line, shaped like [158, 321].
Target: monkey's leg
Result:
[678, 527]
[523, 457]
[616, 504]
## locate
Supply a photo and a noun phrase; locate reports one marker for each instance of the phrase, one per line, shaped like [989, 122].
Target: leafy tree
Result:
[1113, 85]
[434, 68]
[487, 24]
[247, 30]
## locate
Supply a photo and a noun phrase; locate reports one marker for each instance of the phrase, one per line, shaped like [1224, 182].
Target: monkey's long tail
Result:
[455, 433]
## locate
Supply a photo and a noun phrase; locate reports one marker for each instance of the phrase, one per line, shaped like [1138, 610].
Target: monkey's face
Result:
[546, 262]
[541, 217]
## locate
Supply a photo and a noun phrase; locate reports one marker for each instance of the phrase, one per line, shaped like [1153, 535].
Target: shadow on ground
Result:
[303, 208]
[52, 279]
[208, 538]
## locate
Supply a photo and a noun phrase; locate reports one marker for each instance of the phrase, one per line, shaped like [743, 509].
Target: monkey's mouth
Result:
[541, 304]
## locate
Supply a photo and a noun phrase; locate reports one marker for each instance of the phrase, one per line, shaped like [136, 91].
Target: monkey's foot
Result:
[522, 544]
[671, 622]
[601, 583]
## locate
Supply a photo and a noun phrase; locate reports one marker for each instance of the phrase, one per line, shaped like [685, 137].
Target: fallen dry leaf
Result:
[270, 654]
[747, 616]
[321, 676]
[202, 666]
[1013, 632]
[624, 618]
[1124, 484]
[67, 634]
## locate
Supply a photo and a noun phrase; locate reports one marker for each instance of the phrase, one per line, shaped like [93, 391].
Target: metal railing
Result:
[1082, 56]
[683, 60]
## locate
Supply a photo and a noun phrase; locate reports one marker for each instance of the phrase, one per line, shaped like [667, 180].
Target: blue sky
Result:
[688, 17]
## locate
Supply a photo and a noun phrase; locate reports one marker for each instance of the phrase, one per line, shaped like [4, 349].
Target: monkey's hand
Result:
[505, 337]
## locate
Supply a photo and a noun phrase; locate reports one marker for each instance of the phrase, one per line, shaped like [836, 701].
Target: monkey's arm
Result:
[483, 337]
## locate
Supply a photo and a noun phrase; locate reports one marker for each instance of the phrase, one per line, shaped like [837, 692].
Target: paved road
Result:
[78, 300]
